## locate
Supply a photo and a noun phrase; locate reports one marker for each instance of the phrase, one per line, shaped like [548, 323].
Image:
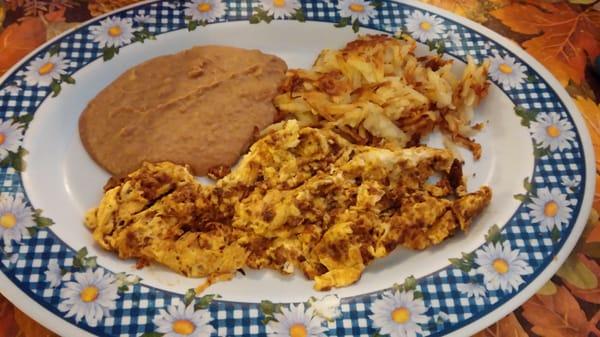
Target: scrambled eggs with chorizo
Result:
[302, 198]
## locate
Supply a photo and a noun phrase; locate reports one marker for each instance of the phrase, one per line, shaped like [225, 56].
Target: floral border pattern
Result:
[73, 286]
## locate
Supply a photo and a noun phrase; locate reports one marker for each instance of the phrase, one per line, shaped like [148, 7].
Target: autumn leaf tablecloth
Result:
[563, 35]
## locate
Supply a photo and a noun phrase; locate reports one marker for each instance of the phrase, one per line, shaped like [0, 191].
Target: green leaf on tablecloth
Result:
[555, 234]
[299, 15]
[109, 52]
[527, 116]
[204, 301]
[40, 220]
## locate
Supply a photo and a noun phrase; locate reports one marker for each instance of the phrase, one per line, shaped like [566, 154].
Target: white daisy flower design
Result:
[12, 89]
[425, 27]
[570, 183]
[328, 307]
[91, 296]
[143, 19]
[280, 8]
[359, 10]
[11, 137]
[551, 131]
[507, 71]
[471, 289]
[454, 38]
[13, 258]
[113, 32]
[43, 70]
[54, 274]
[399, 314]
[296, 322]
[181, 321]
[15, 217]
[205, 10]
[501, 267]
[550, 208]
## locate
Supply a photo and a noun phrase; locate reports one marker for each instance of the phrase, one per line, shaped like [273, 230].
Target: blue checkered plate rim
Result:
[66, 289]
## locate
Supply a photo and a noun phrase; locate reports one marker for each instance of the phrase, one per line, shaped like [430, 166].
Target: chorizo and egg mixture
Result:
[340, 182]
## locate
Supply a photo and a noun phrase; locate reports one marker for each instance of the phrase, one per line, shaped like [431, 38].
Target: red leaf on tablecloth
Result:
[588, 295]
[509, 326]
[565, 38]
[558, 315]
[18, 39]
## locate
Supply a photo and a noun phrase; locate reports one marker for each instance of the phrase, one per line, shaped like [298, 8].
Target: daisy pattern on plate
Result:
[12, 89]
[471, 289]
[359, 10]
[280, 9]
[54, 274]
[143, 19]
[550, 208]
[11, 137]
[550, 131]
[44, 70]
[113, 32]
[454, 38]
[205, 10]
[295, 322]
[91, 296]
[425, 27]
[179, 321]
[15, 218]
[501, 267]
[570, 183]
[399, 314]
[505, 70]
[328, 307]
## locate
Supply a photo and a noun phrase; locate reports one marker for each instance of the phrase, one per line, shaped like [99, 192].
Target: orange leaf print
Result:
[588, 295]
[558, 315]
[475, 10]
[18, 39]
[565, 38]
[591, 113]
[8, 327]
[509, 326]
[29, 327]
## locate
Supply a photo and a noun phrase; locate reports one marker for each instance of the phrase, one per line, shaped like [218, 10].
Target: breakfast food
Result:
[377, 91]
[302, 198]
[201, 107]
[341, 181]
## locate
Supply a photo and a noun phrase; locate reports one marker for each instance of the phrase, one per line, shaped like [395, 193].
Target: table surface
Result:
[563, 35]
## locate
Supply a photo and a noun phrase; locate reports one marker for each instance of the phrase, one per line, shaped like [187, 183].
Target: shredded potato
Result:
[376, 91]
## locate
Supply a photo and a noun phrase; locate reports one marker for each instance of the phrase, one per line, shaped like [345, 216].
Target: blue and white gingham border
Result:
[140, 304]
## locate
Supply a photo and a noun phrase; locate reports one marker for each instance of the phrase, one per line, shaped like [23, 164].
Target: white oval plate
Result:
[451, 289]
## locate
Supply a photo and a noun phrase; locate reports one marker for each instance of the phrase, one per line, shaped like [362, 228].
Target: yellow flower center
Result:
[298, 330]
[425, 25]
[500, 266]
[183, 327]
[279, 3]
[46, 68]
[2, 138]
[204, 7]
[400, 315]
[505, 68]
[8, 220]
[357, 8]
[115, 31]
[89, 294]
[551, 208]
[553, 131]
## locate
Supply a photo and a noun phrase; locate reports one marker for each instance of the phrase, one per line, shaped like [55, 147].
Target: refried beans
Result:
[201, 107]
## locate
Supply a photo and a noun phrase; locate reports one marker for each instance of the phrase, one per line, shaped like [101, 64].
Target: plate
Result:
[537, 157]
